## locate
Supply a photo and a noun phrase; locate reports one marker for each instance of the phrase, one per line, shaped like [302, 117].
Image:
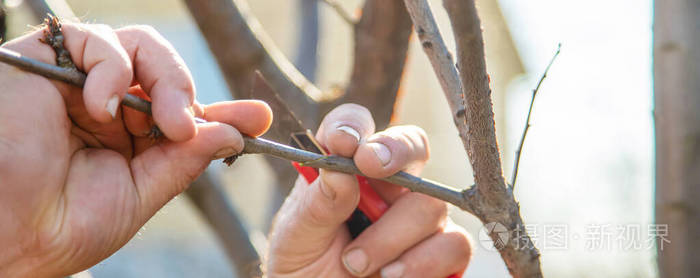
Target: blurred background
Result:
[585, 182]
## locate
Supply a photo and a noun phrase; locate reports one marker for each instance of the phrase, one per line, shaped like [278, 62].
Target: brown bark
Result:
[441, 61]
[493, 198]
[677, 119]
[381, 46]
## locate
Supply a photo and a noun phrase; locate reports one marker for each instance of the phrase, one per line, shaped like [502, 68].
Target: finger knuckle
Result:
[102, 29]
[355, 107]
[354, 113]
[414, 139]
[124, 68]
[146, 30]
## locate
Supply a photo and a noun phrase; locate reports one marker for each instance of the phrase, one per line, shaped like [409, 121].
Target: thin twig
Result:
[253, 145]
[527, 122]
[345, 15]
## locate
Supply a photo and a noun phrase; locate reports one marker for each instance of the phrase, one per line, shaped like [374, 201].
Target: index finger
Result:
[163, 75]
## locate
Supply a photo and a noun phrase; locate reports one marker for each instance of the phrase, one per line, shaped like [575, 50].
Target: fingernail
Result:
[225, 152]
[351, 131]
[356, 261]
[394, 270]
[382, 152]
[112, 105]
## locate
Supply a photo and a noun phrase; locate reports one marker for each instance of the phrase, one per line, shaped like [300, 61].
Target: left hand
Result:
[414, 238]
[78, 176]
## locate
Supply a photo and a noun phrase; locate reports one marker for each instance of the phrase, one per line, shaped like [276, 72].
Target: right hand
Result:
[414, 238]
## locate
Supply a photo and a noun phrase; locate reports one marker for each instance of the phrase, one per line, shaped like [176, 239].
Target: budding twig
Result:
[527, 122]
[252, 145]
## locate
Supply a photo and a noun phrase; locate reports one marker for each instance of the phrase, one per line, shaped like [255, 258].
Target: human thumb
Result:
[311, 219]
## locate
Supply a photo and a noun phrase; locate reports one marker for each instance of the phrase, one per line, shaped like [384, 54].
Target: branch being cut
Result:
[381, 47]
[259, 145]
[494, 200]
[518, 152]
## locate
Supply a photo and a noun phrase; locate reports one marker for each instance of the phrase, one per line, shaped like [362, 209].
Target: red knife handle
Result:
[370, 204]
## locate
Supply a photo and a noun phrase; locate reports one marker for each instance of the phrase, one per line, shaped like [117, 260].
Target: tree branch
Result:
[490, 199]
[259, 145]
[518, 152]
[381, 47]
[441, 60]
[494, 201]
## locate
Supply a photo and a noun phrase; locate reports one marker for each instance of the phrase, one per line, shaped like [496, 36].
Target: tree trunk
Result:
[677, 118]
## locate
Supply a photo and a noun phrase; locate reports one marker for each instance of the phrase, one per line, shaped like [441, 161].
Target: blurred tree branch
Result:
[381, 48]
[208, 195]
[241, 46]
[39, 8]
[306, 59]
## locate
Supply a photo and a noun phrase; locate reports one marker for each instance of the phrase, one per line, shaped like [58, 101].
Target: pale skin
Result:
[80, 176]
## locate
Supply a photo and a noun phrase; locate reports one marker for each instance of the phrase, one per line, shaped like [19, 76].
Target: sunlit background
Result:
[587, 163]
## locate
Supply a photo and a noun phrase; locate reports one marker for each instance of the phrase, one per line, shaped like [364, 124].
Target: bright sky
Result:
[588, 161]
